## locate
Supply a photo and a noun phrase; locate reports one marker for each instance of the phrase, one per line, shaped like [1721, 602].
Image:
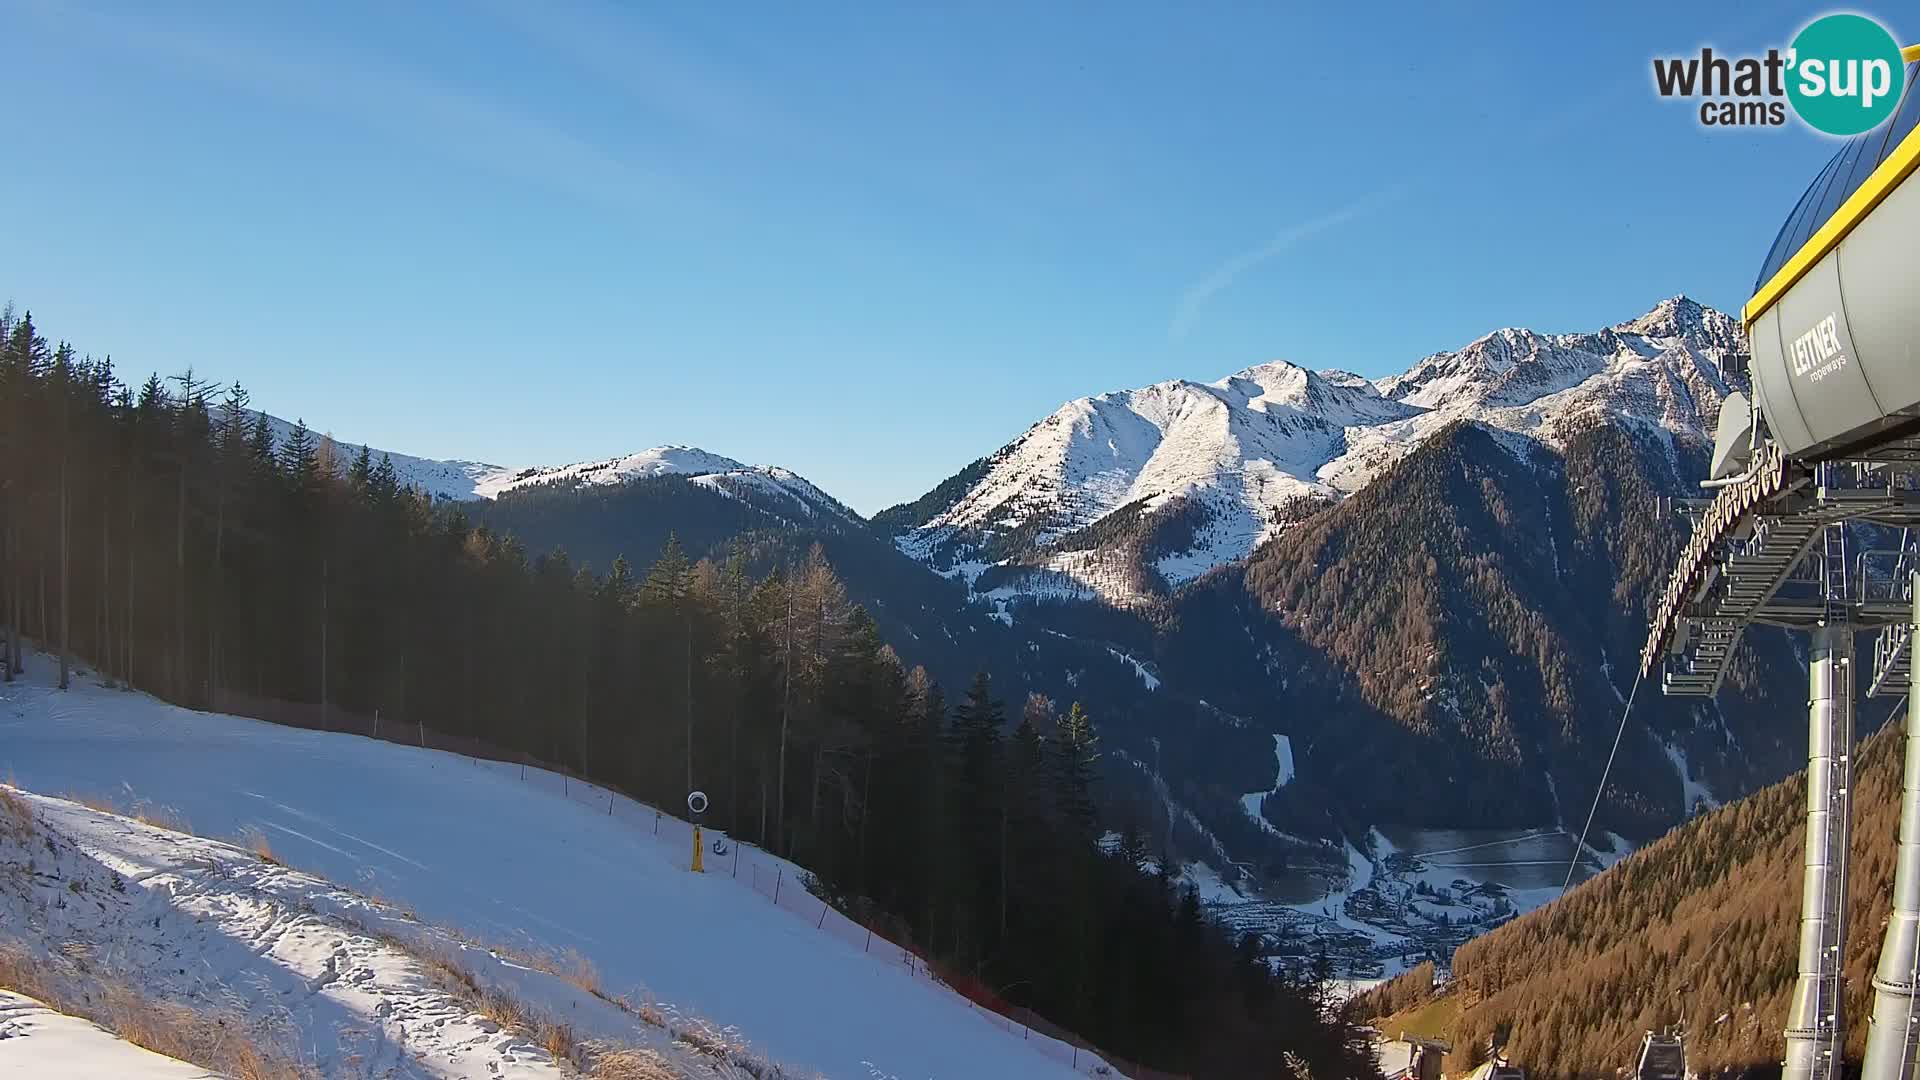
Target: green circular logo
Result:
[1845, 74]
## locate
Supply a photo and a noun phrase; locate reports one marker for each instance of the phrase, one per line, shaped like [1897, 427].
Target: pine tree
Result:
[385, 483]
[974, 747]
[1075, 749]
[360, 475]
[669, 588]
[260, 440]
[62, 379]
[300, 461]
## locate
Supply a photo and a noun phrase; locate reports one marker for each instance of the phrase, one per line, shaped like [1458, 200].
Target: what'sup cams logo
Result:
[1842, 75]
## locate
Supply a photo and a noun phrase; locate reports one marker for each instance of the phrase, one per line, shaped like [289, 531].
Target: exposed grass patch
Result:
[382, 900]
[501, 1007]
[579, 971]
[255, 840]
[570, 966]
[1431, 1019]
[593, 1059]
[16, 817]
[557, 1039]
[98, 803]
[631, 1065]
[495, 1003]
[146, 813]
[216, 1041]
[163, 817]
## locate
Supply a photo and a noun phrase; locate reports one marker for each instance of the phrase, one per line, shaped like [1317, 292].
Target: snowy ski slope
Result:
[537, 862]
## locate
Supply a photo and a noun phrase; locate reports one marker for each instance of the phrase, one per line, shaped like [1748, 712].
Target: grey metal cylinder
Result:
[1815, 1021]
[1893, 1038]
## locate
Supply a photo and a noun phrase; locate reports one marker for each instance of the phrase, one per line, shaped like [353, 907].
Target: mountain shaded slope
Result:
[1438, 646]
[924, 616]
[1701, 927]
[927, 619]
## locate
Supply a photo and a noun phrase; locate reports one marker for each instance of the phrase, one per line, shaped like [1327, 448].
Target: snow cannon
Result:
[696, 808]
[1835, 317]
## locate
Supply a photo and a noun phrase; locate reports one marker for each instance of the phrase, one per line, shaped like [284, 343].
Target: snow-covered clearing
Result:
[1152, 682]
[540, 864]
[1694, 795]
[1207, 882]
[1250, 802]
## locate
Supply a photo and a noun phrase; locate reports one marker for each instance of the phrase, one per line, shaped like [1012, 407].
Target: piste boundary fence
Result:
[780, 882]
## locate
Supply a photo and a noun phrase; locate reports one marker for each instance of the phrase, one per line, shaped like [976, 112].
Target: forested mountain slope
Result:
[1699, 928]
[1482, 608]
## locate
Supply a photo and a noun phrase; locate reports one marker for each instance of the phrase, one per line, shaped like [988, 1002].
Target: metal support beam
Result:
[1893, 1039]
[1815, 1024]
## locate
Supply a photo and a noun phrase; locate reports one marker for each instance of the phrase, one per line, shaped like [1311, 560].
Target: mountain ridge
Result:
[459, 480]
[1238, 453]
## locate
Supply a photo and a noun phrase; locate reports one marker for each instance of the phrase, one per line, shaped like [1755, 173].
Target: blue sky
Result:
[869, 242]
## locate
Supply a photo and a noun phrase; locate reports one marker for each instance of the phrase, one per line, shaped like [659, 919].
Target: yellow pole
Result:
[698, 868]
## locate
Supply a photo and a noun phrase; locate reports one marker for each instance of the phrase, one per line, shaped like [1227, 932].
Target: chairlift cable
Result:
[1573, 862]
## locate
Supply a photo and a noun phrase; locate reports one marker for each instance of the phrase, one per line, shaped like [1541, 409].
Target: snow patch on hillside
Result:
[1694, 794]
[1210, 887]
[1250, 802]
[1152, 682]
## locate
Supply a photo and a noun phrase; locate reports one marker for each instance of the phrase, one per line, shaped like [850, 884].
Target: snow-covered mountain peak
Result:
[657, 461]
[1516, 367]
[1313, 396]
[772, 486]
[1506, 367]
[1231, 458]
[1678, 316]
[1349, 379]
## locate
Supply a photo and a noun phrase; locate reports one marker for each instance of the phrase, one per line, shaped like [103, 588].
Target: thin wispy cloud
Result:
[669, 78]
[1569, 119]
[1196, 296]
[455, 122]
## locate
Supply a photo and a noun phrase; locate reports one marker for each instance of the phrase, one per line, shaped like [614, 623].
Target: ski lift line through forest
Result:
[1628, 1038]
[1573, 862]
[1681, 985]
[1898, 714]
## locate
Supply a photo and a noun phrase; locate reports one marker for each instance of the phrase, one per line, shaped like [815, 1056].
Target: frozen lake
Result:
[1516, 858]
